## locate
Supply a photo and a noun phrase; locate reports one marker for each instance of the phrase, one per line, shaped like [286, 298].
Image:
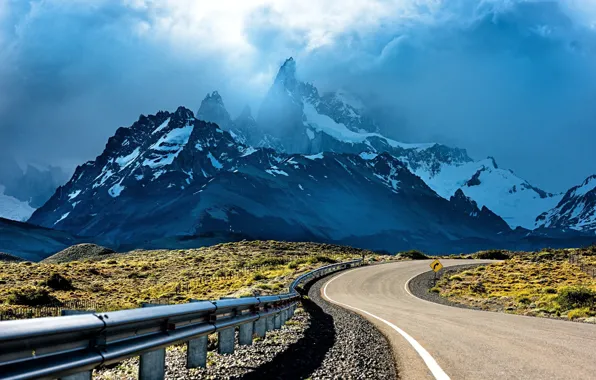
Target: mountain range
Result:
[309, 166]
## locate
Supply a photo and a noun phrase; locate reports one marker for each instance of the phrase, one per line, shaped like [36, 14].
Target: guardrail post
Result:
[284, 316]
[152, 365]
[78, 376]
[270, 322]
[261, 327]
[225, 341]
[196, 349]
[245, 334]
[277, 321]
[196, 352]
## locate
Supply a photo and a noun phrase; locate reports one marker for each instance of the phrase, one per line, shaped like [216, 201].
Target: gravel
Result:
[420, 285]
[322, 341]
[244, 360]
[358, 350]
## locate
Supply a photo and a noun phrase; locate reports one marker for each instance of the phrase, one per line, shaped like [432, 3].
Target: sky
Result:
[511, 79]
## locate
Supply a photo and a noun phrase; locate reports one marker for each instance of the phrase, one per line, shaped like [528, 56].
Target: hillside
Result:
[32, 242]
[554, 283]
[119, 281]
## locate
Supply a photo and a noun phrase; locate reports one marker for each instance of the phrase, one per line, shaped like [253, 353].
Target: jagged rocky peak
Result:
[286, 75]
[213, 110]
[246, 114]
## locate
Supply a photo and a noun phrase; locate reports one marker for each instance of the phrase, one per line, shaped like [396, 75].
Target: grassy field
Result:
[119, 281]
[551, 283]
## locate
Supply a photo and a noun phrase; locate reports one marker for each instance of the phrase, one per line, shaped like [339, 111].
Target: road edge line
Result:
[430, 362]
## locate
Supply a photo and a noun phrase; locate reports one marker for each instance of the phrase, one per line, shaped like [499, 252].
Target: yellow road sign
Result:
[436, 265]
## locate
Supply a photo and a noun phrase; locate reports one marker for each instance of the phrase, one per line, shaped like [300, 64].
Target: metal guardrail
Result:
[71, 347]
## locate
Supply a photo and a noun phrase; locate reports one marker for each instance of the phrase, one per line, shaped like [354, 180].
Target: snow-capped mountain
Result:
[504, 193]
[576, 210]
[13, 208]
[309, 123]
[22, 191]
[171, 179]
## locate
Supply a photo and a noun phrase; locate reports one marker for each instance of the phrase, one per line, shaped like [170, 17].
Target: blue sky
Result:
[511, 79]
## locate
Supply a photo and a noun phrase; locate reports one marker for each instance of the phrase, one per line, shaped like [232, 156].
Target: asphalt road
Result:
[438, 341]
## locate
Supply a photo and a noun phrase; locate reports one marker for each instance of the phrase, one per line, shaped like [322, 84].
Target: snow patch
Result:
[171, 144]
[273, 172]
[588, 185]
[14, 209]
[250, 150]
[313, 157]
[214, 162]
[162, 126]
[116, 190]
[64, 216]
[73, 195]
[310, 134]
[368, 156]
[127, 160]
[339, 131]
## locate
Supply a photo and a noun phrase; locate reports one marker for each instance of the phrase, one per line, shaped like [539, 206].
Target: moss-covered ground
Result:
[556, 283]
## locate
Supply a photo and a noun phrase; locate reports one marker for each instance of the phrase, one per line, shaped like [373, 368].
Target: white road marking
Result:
[430, 362]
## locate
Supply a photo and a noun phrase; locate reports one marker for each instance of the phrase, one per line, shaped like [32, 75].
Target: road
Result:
[437, 341]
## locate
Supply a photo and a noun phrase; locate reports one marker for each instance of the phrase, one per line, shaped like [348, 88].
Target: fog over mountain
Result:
[510, 79]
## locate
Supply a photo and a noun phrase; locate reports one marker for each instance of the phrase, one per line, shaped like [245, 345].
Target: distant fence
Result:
[586, 268]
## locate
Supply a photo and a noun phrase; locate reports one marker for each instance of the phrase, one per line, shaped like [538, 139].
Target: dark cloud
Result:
[513, 80]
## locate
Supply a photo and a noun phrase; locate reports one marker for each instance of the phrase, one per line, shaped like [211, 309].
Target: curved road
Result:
[437, 341]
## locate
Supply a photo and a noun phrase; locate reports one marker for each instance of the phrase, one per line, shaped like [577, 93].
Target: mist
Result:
[508, 79]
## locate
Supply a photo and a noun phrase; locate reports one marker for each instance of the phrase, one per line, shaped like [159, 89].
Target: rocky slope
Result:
[576, 210]
[171, 179]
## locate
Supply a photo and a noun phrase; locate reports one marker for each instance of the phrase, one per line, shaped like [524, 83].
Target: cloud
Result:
[508, 78]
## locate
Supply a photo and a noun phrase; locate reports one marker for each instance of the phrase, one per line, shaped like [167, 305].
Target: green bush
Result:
[258, 277]
[267, 261]
[493, 254]
[321, 259]
[58, 282]
[576, 297]
[30, 296]
[413, 255]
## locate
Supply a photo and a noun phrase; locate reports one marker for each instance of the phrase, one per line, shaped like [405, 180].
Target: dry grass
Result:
[125, 280]
[544, 283]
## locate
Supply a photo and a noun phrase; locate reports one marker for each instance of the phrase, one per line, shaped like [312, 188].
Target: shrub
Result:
[30, 296]
[550, 290]
[579, 313]
[478, 287]
[576, 297]
[268, 261]
[413, 255]
[58, 282]
[258, 276]
[321, 259]
[493, 254]
[455, 278]
[524, 300]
